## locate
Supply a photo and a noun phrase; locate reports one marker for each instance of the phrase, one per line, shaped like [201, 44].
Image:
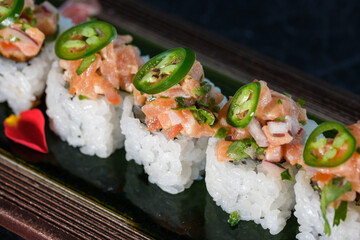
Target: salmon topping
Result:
[113, 69]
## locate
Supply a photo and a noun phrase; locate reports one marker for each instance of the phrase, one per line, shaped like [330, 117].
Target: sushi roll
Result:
[83, 96]
[327, 187]
[26, 58]
[169, 119]
[248, 162]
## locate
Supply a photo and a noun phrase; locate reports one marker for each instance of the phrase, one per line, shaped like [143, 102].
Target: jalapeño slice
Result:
[331, 156]
[243, 105]
[10, 10]
[84, 40]
[164, 70]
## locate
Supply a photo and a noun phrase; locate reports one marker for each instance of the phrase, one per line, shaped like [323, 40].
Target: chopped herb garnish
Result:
[201, 103]
[285, 175]
[151, 98]
[204, 88]
[166, 97]
[216, 108]
[221, 132]
[201, 115]
[340, 213]
[302, 122]
[12, 38]
[301, 102]
[280, 119]
[332, 191]
[279, 101]
[237, 149]
[287, 94]
[180, 101]
[315, 186]
[298, 166]
[82, 97]
[234, 218]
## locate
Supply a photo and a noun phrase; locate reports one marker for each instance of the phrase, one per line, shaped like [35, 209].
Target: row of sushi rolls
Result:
[260, 155]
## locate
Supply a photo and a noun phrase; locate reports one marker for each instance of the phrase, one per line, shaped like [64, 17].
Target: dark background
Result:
[320, 38]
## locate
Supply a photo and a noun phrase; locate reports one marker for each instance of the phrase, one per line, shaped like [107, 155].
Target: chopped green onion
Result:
[12, 38]
[301, 102]
[237, 149]
[298, 166]
[302, 122]
[280, 119]
[201, 115]
[201, 103]
[180, 101]
[204, 88]
[151, 98]
[279, 101]
[82, 97]
[221, 132]
[287, 94]
[234, 218]
[285, 175]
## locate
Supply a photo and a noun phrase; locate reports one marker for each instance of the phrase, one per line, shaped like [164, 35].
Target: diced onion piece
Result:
[256, 132]
[277, 127]
[272, 168]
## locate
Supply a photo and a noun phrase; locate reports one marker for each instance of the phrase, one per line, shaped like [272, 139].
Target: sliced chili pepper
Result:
[10, 11]
[85, 63]
[330, 158]
[243, 105]
[84, 40]
[164, 70]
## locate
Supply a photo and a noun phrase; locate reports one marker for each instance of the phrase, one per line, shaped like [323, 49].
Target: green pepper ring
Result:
[313, 161]
[108, 34]
[187, 59]
[13, 14]
[232, 118]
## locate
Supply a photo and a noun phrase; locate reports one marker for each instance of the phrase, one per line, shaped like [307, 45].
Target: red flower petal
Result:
[28, 129]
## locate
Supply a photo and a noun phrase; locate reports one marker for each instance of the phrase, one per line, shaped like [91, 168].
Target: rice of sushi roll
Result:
[167, 130]
[249, 173]
[26, 60]
[85, 107]
[341, 183]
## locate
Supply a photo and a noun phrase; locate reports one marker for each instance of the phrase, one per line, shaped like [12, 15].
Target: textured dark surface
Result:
[320, 38]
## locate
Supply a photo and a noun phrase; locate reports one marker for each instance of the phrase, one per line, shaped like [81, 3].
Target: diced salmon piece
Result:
[322, 177]
[274, 153]
[293, 153]
[173, 131]
[153, 124]
[113, 68]
[27, 45]
[154, 108]
[128, 62]
[221, 151]
[276, 140]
